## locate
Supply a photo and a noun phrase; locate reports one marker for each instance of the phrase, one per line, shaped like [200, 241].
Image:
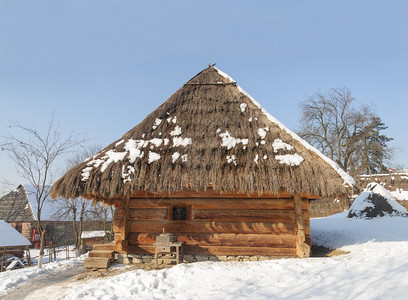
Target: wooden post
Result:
[4, 261]
[49, 253]
[302, 249]
[121, 222]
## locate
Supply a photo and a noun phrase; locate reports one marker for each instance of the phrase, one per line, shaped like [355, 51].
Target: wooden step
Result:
[97, 263]
[110, 246]
[102, 253]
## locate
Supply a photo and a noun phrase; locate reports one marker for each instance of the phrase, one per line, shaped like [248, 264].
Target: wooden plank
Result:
[306, 216]
[206, 203]
[209, 193]
[222, 250]
[212, 227]
[302, 249]
[148, 214]
[223, 239]
[247, 215]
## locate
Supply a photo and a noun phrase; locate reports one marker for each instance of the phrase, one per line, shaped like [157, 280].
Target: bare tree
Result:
[334, 124]
[77, 210]
[35, 156]
[104, 213]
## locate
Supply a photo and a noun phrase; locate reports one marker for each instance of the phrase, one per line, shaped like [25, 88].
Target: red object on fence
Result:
[35, 238]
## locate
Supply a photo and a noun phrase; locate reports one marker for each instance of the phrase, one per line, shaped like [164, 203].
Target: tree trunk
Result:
[42, 244]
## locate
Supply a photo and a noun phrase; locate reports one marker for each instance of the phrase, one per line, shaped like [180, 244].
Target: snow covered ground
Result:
[375, 268]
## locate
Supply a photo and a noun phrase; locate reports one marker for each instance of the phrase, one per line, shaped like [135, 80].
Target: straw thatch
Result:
[207, 134]
[15, 206]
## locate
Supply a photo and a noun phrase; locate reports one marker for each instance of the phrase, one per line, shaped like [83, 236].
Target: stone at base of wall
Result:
[147, 259]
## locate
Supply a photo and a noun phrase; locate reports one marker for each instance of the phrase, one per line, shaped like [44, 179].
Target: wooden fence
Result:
[28, 258]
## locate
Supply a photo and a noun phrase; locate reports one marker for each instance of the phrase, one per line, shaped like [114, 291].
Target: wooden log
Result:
[208, 203]
[248, 215]
[212, 227]
[96, 263]
[222, 250]
[148, 214]
[223, 239]
[101, 253]
[302, 249]
[212, 194]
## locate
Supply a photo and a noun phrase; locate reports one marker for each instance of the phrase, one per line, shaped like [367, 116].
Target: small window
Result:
[179, 213]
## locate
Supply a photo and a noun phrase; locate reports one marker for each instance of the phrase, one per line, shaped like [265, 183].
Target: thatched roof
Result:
[15, 207]
[210, 133]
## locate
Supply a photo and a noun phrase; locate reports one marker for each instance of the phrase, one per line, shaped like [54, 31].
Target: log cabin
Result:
[211, 165]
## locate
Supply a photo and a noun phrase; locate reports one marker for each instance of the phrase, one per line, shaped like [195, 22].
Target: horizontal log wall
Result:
[218, 226]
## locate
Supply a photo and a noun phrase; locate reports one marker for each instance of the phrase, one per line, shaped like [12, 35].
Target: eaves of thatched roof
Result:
[209, 133]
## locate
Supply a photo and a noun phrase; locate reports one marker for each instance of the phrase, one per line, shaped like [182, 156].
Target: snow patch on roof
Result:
[347, 179]
[279, 145]
[176, 131]
[229, 141]
[179, 141]
[157, 122]
[243, 107]
[290, 159]
[153, 156]
[262, 132]
[175, 156]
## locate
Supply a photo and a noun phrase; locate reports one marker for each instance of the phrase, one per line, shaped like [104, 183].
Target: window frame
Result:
[170, 213]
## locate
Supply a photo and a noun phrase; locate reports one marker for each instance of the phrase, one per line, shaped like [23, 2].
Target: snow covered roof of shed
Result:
[209, 133]
[9, 237]
[92, 234]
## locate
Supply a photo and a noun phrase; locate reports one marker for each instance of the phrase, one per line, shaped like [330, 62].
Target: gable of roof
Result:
[209, 133]
[15, 206]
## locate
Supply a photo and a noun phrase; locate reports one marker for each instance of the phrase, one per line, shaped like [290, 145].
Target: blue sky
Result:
[105, 65]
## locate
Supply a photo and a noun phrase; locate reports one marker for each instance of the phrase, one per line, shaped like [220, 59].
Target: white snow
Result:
[157, 122]
[400, 194]
[127, 175]
[375, 268]
[230, 142]
[262, 132]
[13, 279]
[10, 237]
[174, 119]
[92, 234]
[290, 159]
[153, 156]
[184, 158]
[243, 107]
[176, 131]
[175, 156]
[278, 144]
[232, 159]
[133, 147]
[110, 157]
[179, 141]
[118, 143]
[256, 158]
[362, 201]
[132, 152]
[348, 180]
